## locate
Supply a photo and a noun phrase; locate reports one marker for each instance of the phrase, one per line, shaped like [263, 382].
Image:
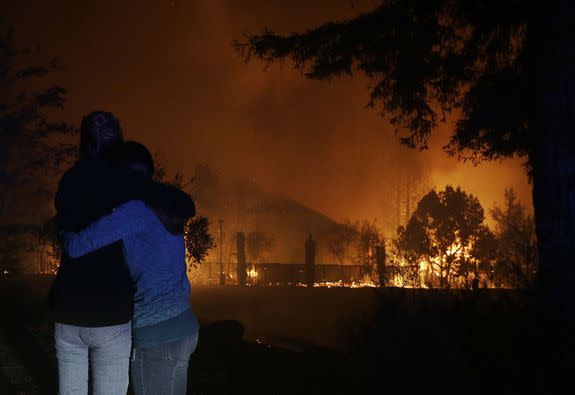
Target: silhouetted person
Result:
[165, 330]
[475, 283]
[91, 298]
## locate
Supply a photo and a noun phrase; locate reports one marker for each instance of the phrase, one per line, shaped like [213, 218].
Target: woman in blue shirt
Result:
[164, 328]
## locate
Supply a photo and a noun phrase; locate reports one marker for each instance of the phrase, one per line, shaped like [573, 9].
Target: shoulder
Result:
[134, 206]
[138, 214]
[67, 186]
[136, 211]
[69, 175]
[171, 199]
[84, 172]
[78, 181]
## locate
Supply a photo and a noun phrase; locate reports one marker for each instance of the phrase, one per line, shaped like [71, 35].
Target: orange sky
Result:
[167, 69]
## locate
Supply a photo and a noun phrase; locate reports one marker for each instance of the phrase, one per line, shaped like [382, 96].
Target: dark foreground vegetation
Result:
[393, 341]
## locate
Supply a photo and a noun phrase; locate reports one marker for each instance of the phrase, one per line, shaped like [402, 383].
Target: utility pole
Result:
[222, 275]
[310, 246]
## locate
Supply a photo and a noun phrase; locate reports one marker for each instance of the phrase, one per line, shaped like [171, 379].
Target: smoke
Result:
[168, 70]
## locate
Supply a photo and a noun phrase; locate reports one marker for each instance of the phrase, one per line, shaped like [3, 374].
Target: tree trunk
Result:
[398, 198]
[41, 260]
[407, 198]
[380, 264]
[241, 255]
[553, 155]
[3, 198]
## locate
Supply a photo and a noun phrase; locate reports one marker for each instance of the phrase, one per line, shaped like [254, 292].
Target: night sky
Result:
[168, 70]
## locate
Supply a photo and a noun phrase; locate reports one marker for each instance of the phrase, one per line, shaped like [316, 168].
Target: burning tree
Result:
[405, 262]
[339, 241]
[442, 233]
[369, 239]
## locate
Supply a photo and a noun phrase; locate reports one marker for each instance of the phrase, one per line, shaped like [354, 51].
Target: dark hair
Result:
[137, 153]
[100, 135]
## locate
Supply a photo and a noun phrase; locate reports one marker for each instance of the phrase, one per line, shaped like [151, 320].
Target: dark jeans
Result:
[162, 369]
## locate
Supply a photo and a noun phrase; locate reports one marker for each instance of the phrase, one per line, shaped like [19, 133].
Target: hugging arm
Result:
[171, 205]
[131, 217]
[116, 186]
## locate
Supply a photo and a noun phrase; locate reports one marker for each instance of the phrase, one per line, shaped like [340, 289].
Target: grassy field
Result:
[285, 340]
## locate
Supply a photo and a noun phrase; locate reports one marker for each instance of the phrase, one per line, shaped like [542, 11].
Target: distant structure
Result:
[310, 261]
[241, 255]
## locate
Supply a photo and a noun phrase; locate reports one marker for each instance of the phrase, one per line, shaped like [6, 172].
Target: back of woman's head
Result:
[138, 158]
[100, 136]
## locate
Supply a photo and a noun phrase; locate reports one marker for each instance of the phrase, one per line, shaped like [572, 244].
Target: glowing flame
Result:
[454, 267]
[252, 273]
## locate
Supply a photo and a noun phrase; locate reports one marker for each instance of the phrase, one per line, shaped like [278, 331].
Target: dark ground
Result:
[419, 341]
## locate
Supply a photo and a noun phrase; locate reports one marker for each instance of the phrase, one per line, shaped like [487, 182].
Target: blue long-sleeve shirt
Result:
[95, 289]
[156, 259]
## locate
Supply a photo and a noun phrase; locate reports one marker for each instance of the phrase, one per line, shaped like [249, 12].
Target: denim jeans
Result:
[162, 369]
[104, 351]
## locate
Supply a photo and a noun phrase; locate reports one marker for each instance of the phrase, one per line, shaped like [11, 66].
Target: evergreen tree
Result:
[443, 232]
[517, 244]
